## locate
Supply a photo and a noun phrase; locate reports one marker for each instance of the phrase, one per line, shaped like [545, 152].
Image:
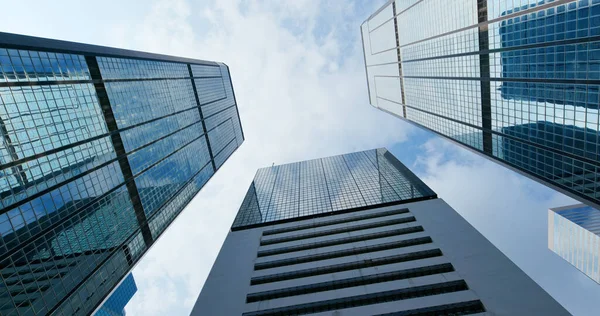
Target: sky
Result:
[298, 73]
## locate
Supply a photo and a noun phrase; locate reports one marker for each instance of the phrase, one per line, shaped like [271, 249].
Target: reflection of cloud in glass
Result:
[326, 185]
[489, 73]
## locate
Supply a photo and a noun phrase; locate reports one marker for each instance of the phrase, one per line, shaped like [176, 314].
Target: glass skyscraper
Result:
[517, 81]
[115, 304]
[100, 150]
[359, 234]
[574, 235]
[321, 186]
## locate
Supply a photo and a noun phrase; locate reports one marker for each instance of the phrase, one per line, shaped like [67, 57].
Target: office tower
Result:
[101, 149]
[115, 305]
[515, 81]
[574, 235]
[359, 234]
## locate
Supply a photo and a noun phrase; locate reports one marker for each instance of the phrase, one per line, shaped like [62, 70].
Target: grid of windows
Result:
[454, 43]
[40, 118]
[210, 89]
[574, 235]
[455, 99]
[328, 184]
[522, 88]
[93, 170]
[154, 152]
[162, 180]
[161, 219]
[127, 68]
[141, 135]
[139, 101]
[206, 71]
[430, 18]
[463, 133]
[24, 65]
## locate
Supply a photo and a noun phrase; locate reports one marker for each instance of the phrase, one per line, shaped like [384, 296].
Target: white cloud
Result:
[297, 70]
[300, 95]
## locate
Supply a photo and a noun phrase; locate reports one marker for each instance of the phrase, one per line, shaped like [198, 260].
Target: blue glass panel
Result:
[139, 101]
[158, 184]
[23, 65]
[326, 185]
[125, 68]
[206, 71]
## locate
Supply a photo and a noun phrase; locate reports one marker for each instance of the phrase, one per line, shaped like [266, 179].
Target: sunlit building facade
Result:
[574, 235]
[516, 81]
[100, 150]
[359, 234]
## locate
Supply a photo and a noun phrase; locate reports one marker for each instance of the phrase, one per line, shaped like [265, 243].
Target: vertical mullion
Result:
[212, 158]
[117, 142]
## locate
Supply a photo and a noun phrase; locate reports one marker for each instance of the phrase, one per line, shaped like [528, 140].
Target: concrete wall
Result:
[491, 277]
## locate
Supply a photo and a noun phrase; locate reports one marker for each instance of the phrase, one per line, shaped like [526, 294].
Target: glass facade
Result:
[515, 80]
[115, 304]
[100, 149]
[574, 235]
[320, 186]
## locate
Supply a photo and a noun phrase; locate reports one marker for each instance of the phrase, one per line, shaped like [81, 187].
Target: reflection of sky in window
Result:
[328, 184]
[382, 70]
[543, 106]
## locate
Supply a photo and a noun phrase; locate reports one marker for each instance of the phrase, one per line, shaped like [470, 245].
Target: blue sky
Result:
[298, 73]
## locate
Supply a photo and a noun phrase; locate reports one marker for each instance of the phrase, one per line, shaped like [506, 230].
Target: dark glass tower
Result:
[115, 304]
[359, 234]
[516, 81]
[100, 150]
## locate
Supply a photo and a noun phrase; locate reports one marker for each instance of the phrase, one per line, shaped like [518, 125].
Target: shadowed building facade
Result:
[494, 75]
[100, 150]
[359, 234]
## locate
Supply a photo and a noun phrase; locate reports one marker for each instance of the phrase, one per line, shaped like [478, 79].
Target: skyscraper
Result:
[497, 77]
[101, 149]
[574, 235]
[359, 234]
[115, 304]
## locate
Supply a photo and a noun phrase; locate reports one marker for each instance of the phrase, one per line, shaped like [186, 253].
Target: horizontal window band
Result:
[80, 175]
[75, 144]
[351, 282]
[568, 190]
[40, 193]
[127, 241]
[365, 299]
[462, 308]
[512, 48]
[524, 141]
[338, 230]
[361, 264]
[335, 221]
[575, 41]
[94, 200]
[485, 24]
[84, 81]
[341, 241]
[522, 80]
[343, 253]
[24, 42]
